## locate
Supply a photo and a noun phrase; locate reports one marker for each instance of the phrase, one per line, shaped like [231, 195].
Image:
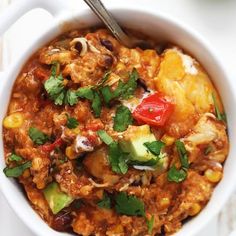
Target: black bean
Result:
[108, 61]
[142, 84]
[143, 45]
[78, 47]
[62, 221]
[160, 48]
[107, 44]
[163, 231]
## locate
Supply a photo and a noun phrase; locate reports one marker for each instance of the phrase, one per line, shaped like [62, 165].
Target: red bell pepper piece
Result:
[51, 147]
[154, 110]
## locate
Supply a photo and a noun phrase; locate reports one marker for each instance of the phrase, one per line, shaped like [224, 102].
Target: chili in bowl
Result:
[107, 140]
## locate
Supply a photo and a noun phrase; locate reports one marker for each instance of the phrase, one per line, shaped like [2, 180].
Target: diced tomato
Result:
[93, 138]
[95, 125]
[51, 147]
[154, 110]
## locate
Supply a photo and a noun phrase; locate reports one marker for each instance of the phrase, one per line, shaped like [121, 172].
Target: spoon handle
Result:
[99, 9]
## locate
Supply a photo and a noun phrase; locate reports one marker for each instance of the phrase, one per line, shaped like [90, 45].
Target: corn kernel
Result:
[13, 121]
[213, 175]
[120, 66]
[168, 140]
[117, 230]
[76, 130]
[26, 173]
[37, 163]
[70, 153]
[194, 209]
[165, 201]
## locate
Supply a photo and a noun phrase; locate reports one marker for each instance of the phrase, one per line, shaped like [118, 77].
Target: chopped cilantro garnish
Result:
[175, 175]
[150, 224]
[55, 87]
[118, 91]
[107, 94]
[130, 87]
[14, 157]
[122, 119]
[180, 175]
[117, 158]
[104, 79]
[85, 92]
[182, 154]
[105, 202]
[105, 137]
[71, 98]
[37, 136]
[154, 147]
[72, 123]
[129, 205]
[123, 90]
[18, 170]
[96, 105]
[219, 116]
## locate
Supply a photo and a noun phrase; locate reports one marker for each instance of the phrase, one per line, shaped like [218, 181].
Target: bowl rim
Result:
[142, 10]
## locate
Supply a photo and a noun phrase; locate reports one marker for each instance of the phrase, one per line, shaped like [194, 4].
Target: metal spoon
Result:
[106, 17]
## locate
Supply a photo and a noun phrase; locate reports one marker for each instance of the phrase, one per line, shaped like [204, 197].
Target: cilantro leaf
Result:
[150, 224]
[175, 175]
[153, 163]
[219, 116]
[14, 157]
[85, 92]
[105, 202]
[183, 155]
[124, 90]
[119, 90]
[107, 94]
[117, 158]
[122, 119]
[54, 68]
[96, 105]
[71, 98]
[71, 123]
[60, 98]
[154, 147]
[129, 205]
[104, 79]
[55, 87]
[130, 87]
[105, 137]
[18, 170]
[37, 136]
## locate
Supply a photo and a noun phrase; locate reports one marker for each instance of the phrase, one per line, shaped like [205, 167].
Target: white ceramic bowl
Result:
[144, 18]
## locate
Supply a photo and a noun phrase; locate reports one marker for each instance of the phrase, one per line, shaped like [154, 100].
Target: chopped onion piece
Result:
[143, 167]
[83, 144]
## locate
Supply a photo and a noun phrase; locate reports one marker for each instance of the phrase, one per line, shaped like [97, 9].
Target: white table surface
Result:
[214, 19]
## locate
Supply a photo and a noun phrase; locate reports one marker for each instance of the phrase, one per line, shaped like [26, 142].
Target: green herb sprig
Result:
[179, 175]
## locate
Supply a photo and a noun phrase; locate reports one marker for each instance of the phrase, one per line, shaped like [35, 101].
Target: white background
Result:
[214, 19]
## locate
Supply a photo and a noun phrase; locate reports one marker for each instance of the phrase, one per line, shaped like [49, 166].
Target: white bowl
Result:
[143, 18]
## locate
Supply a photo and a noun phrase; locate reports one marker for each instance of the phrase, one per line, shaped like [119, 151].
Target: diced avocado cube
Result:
[56, 199]
[134, 138]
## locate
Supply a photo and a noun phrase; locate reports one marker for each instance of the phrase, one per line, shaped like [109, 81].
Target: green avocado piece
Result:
[56, 199]
[134, 138]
